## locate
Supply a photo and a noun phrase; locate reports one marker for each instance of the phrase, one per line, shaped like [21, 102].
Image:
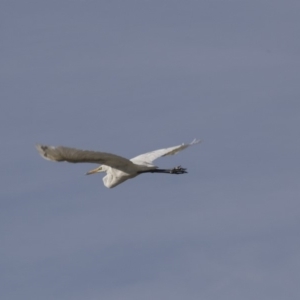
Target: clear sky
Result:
[132, 76]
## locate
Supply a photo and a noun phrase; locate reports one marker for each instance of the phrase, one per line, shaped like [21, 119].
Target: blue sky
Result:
[129, 77]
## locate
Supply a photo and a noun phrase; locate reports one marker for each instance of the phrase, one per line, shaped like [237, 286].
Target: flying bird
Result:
[117, 168]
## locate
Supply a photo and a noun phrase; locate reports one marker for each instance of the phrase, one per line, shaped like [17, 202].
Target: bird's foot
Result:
[178, 170]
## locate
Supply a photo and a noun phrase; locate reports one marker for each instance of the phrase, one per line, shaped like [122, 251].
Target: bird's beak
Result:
[98, 169]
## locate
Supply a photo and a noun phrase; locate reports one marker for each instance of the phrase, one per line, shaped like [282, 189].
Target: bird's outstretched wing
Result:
[73, 155]
[148, 158]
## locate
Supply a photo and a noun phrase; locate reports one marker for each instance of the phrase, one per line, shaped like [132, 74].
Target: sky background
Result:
[129, 77]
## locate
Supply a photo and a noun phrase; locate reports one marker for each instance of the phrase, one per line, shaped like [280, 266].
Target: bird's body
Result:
[117, 168]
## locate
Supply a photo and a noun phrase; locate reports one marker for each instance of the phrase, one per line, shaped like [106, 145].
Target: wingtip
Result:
[42, 151]
[195, 141]
[38, 147]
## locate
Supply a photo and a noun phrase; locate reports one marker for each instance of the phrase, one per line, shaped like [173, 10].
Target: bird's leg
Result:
[176, 170]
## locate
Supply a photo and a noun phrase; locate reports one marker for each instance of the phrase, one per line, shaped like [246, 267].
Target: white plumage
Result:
[117, 168]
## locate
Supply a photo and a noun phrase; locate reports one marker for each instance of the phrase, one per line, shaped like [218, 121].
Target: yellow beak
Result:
[98, 169]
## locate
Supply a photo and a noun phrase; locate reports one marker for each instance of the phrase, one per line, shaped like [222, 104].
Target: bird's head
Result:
[99, 169]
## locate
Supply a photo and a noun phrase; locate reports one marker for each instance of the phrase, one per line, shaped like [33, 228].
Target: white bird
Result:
[117, 168]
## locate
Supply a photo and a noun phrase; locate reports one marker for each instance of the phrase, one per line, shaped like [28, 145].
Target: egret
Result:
[117, 168]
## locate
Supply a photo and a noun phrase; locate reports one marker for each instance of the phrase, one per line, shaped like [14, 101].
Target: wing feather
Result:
[149, 157]
[73, 155]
